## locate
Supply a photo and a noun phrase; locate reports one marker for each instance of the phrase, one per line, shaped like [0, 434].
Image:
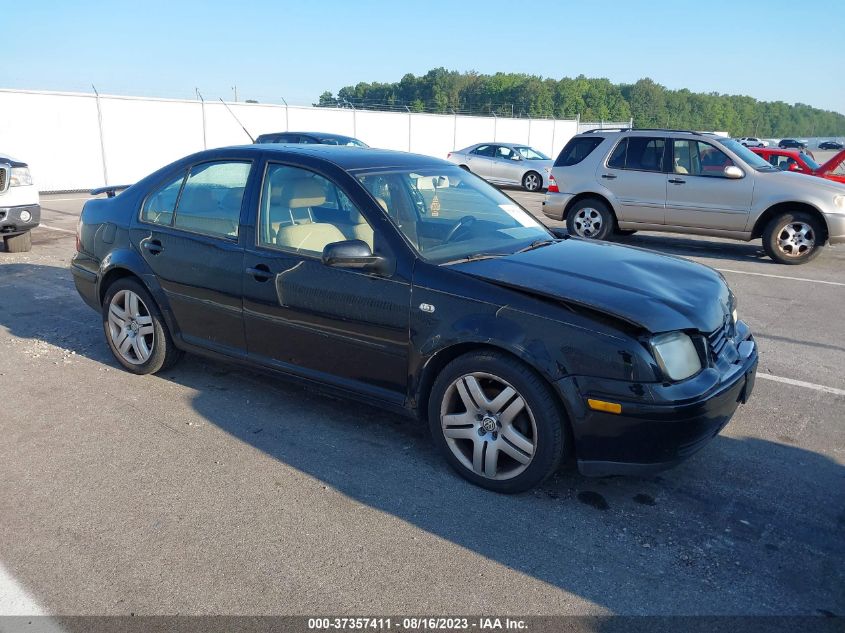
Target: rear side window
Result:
[577, 149]
[211, 198]
[484, 150]
[159, 206]
[645, 153]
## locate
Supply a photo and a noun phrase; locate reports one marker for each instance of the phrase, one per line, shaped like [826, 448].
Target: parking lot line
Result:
[801, 383]
[812, 281]
[55, 228]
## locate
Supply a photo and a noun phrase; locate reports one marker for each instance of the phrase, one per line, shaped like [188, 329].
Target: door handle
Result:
[260, 272]
[677, 181]
[609, 176]
[153, 246]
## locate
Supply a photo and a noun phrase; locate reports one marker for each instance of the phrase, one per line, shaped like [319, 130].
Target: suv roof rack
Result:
[638, 129]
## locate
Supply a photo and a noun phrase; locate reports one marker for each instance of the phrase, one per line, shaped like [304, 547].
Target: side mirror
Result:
[733, 172]
[795, 167]
[356, 255]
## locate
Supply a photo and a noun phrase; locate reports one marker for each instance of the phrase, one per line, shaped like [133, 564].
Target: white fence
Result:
[81, 141]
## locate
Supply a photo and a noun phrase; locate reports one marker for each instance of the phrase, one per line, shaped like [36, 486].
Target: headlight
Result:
[734, 315]
[676, 355]
[839, 201]
[20, 176]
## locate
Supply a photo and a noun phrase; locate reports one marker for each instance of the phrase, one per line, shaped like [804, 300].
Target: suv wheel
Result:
[21, 243]
[135, 330]
[496, 422]
[793, 238]
[590, 218]
[532, 181]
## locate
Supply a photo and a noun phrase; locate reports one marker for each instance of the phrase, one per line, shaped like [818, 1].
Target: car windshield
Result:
[529, 153]
[810, 162]
[342, 140]
[448, 214]
[753, 160]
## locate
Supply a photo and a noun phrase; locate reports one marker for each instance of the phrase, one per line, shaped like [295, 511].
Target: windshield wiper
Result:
[536, 244]
[476, 256]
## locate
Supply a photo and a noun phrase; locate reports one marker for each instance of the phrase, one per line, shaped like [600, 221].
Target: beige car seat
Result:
[305, 193]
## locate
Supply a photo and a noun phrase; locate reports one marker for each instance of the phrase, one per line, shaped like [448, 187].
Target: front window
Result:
[750, 158]
[448, 214]
[529, 153]
[696, 158]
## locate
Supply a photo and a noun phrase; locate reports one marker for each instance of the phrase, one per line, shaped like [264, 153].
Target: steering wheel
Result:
[464, 222]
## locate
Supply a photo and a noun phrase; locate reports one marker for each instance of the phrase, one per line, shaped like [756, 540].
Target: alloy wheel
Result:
[796, 239]
[588, 222]
[488, 426]
[532, 182]
[131, 327]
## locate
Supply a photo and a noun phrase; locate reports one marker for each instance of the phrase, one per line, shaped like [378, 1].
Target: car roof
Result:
[347, 157]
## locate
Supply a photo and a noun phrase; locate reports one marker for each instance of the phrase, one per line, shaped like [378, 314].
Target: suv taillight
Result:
[78, 232]
[553, 185]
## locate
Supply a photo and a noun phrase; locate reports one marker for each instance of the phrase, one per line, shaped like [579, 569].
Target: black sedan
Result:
[834, 145]
[408, 282]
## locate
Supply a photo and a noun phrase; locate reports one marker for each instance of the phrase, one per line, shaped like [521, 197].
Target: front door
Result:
[507, 166]
[635, 174]
[698, 192]
[188, 234]
[342, 326]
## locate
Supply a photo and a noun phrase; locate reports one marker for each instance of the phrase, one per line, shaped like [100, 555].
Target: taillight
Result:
[449, 155]
[553, 185]
[78, 232]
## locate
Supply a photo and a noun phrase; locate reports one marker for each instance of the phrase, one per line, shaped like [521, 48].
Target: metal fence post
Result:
[409, 127]
[287, 120]
[495, 124]
[554, 133]
[102, 143]
[454, 129]
[202, 105]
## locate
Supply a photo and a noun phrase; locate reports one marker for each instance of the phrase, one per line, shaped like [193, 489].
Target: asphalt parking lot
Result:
[213, 489]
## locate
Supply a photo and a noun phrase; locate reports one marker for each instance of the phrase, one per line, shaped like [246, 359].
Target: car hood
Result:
[832, 163]
[657, 292]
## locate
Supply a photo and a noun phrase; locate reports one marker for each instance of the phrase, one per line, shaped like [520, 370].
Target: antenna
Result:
[238, 120]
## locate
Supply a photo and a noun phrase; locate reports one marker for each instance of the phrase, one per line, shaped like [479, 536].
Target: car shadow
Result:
[746, 526]
[701, 247]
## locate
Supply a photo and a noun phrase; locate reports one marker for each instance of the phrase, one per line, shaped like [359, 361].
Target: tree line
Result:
[593, 99]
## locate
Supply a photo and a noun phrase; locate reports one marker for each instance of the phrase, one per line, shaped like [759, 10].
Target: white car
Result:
[20, 208]
[750, 141]
[506, 164]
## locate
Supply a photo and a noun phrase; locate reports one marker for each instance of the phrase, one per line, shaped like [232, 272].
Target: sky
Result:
[772, 50]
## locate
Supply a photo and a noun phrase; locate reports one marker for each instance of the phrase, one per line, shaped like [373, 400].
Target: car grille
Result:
[4, 178]
[718, 338]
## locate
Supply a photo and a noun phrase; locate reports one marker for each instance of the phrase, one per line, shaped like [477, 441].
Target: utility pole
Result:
[102, 142]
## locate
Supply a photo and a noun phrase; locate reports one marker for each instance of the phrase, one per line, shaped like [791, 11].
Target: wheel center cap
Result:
[134, 327]
[489, 423]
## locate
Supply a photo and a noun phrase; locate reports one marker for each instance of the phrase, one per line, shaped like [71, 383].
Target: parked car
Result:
[751, 141]
[791, 143]
[684, 182]
[831, 145]
[505, 164]
[788, 159]
[310, 138]
[20, 209]
[804, 162]
[407, 282]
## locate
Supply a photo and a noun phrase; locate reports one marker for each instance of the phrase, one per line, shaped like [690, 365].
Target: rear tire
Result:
[793, 238]
[505, 442]
[591, 219]
[21, 243]
[135, 330]
[532, 181]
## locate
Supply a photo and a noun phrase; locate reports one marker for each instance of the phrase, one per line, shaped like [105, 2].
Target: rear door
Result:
[188, 233]
[480, 160]
[635, 173]
[700, 195]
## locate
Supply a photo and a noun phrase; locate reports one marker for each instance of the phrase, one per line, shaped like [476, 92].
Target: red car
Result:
[803, 162]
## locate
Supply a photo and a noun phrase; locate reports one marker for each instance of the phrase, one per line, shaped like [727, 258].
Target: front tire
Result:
[135, 330]
[21, 243]
[793, 238]
[590, 218]
[532, 181]
[496, 421]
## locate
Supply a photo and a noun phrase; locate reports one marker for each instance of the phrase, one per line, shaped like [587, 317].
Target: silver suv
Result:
[623, 180]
